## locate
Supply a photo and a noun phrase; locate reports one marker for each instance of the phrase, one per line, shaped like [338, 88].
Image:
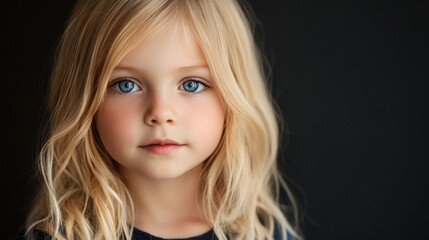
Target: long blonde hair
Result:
[83, 195]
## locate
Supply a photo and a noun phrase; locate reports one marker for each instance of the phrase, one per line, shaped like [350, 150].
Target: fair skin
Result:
[161, 119]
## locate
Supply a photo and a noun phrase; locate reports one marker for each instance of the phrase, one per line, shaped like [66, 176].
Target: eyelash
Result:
[115, 85]
[125, 79]
[199, 81]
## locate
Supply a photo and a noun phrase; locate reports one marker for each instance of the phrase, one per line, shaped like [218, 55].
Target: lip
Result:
[162, 146]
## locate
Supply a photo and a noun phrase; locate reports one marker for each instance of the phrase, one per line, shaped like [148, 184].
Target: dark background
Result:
[351, 80]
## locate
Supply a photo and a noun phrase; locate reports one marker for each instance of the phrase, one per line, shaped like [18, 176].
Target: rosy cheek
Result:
[114, 126]
[207, 119]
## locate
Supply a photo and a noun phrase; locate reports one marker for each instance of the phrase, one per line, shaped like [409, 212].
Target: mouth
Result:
[162, 147]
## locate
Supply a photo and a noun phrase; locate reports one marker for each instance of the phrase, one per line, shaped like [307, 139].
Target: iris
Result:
[126, 86]
[193, 86]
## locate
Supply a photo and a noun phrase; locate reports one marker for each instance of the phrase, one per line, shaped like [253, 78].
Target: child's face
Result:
[162, 115]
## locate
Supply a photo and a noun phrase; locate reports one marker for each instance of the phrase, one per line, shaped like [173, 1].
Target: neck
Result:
[171, 204]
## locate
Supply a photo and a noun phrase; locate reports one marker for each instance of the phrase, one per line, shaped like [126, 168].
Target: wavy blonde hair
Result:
[83, 195]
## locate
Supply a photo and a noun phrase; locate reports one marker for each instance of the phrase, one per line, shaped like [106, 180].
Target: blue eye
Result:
[192, 86]
[126, 86]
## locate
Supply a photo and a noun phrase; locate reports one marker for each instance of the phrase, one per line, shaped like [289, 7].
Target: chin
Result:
[161, 173]
[171, 172]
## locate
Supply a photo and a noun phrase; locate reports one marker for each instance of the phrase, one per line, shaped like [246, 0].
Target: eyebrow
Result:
[192, 67]
[187, 68]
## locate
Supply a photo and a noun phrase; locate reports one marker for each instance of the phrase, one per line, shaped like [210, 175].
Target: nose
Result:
[160, 111]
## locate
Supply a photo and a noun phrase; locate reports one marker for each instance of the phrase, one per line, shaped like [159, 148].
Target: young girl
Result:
[161, 126]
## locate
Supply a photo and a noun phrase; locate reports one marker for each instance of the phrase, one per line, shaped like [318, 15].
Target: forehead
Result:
[169, 46]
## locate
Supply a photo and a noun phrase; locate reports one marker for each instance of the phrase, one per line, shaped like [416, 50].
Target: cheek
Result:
[115, 125]
[207, 122]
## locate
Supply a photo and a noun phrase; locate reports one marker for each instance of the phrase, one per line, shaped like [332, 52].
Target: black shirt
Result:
[140, 235]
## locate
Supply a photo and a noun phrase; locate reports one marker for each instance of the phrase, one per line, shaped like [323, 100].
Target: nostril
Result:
[169, 121]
